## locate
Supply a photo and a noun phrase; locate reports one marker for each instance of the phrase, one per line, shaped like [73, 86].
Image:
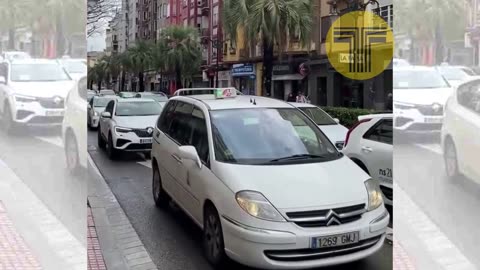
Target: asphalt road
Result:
[37, 158]
[173, 240]
[452, 205]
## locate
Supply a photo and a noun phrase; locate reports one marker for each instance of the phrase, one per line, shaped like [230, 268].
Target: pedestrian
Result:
[301, 97]
[389, 104]
[291, 97]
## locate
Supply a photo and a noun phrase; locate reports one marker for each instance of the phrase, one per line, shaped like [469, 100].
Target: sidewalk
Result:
[14, 252]
[401, 260]
[95, 257]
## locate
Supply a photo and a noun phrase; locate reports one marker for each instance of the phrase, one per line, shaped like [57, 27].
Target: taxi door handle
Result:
[367, 149]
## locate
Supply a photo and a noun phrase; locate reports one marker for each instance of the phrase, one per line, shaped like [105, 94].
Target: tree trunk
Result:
[11, 39]
[178, 77]
[90, 84]
[140, 82]
[122, 85]
[99, 85]
[267, 68]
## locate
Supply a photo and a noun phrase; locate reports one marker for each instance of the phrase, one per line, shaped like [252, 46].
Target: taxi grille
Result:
[142, 133]
[320, 253]
[429, 111]
[49, 103]
[322, 218]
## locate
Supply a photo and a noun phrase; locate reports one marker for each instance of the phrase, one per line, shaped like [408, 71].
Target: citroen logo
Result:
[332, 218]
[149, 130]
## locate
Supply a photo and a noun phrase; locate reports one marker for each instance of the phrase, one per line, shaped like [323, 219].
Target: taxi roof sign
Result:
[221, 93]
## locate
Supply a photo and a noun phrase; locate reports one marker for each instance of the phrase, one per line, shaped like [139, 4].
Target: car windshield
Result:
[454, 73]
[101, 102]
[38, 73]
[253, 137]
[318, 116]
[139, 108]
[75, 67]
[418, 79]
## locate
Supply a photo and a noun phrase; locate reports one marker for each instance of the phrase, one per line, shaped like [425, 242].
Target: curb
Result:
[95, 257]
[401, 260]
[121, 247]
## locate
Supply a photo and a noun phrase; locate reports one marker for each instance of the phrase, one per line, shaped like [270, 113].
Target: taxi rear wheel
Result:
[100, 140]
[71, 153]
[160, 197]
[451, 159]
[111, 151]
[213, 243]
[8, 124]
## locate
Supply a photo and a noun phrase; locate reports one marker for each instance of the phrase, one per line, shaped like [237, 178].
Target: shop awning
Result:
[287, 77]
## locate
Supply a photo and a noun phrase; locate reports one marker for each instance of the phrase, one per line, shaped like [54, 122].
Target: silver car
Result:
[96, 106]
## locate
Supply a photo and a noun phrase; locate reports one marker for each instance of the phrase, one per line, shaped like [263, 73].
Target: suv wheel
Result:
[160, 197]
[111, 151]
[100, 140]
[213, 244]
[451, 159]
[71, 153]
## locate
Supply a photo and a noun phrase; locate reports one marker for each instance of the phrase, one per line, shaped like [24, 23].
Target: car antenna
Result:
[254, 102]
[251, 100]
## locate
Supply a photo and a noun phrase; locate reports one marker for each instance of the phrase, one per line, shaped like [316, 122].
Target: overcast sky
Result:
[96, 42]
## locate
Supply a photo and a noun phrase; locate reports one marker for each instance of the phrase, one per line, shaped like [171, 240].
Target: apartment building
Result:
[146, 19]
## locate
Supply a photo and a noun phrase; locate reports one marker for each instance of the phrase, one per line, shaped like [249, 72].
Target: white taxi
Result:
[460, 140]
[419, 94]
[369, 143]
[265, 185]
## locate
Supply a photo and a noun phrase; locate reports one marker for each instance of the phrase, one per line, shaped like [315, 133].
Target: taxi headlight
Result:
[375, 198]
[255, 204]
[122, 130]
[24, 99]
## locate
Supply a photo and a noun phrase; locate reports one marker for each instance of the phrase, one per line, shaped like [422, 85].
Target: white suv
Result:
[460, 139]
[264, 183]
[32, 92]
[369, 143]
[127, 125]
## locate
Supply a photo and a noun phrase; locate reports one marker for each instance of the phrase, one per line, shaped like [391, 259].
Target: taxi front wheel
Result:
[213, 243]
[160, 197]
[451, 159]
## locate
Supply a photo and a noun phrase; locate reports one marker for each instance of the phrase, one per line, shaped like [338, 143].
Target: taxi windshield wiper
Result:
[296, 157]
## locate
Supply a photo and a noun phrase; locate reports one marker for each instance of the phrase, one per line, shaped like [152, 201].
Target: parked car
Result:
[460, 139]
[73, 128]
[419, 95]
[15, 55]
[455, 75]
[127, 94]
[33, 92]
[77, 68]
[330, 126]
[95, 107]
[127, 125]
[160, 98]
[107, 92]
[369, 143]
[265, 185]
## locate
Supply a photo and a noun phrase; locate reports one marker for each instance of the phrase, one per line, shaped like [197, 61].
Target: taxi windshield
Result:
[253, 137]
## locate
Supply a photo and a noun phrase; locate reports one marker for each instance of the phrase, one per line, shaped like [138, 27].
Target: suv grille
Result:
[142, 133]
[49, 103]
[428, 110]
[327, 217]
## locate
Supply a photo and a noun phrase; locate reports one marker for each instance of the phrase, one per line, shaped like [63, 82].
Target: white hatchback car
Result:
[127, 125]
[369, 144]
[460, 139]
[96, 106]
[73, 128]
[419, 94]
[335, 132]
[33, 92]
[265, 185]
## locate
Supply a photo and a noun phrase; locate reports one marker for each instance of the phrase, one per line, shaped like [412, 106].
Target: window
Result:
[199, 134]
[386, 12]
[110, 107]
[215, 15]
[325, 26]
[469, 96]
[165, 119]
[180, 128]
[381, 132]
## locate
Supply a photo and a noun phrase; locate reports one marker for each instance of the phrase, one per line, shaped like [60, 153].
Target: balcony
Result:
[244, 53]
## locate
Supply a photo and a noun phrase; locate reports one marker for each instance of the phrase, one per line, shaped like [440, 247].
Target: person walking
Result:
[291, 97]
[301, 98]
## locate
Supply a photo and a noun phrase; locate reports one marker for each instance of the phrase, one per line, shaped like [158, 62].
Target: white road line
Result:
[435, 148]
[438, 245]
[147, 164]
[57, 141]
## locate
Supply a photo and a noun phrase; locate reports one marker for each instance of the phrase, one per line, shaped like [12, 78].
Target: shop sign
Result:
[282, 69]
[224, 75]
[243, 70]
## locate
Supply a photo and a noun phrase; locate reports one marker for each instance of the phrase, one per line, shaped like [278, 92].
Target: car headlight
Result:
[255, 204]
[122, 130]
[375, 198]
[24, 99]
[95, 113]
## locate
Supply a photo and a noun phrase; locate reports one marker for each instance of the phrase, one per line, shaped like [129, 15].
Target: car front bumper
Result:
[412, 121]
[33, 114]
[290, 248]
[131, 142]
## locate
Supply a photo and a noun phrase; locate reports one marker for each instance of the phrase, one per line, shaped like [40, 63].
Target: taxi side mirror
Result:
[189, 152]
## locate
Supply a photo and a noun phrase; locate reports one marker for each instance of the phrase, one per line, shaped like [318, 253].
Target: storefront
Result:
[287, 79]
[225, 78]
[244, 78]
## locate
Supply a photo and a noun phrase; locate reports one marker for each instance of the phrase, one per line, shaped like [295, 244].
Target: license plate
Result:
[54, 113]
[145, 140]
[433, 120]
[335, 240]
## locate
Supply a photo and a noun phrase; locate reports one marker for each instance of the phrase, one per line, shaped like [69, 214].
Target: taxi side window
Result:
[469, 96]
[180, 128]
[199, 136]
[110, 106]
[165, 119]
[381, 132]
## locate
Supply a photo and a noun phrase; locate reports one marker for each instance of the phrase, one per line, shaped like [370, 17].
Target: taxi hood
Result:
[42, 89]
[140, 122]
[331, 183]
[422, 96]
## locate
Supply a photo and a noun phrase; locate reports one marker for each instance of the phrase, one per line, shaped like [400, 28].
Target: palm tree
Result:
[138, 59]
[270, 22]
[98, 74]
[112, 67]
[179, 51]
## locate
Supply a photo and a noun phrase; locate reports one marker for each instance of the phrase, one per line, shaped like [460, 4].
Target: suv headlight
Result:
[375, 198]
[24, 99]
[122, 130]
[255, 204]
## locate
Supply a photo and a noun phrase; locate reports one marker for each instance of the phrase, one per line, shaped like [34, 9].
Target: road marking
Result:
[436, 243]
[57, 141]
[147, 164]
[435, 148]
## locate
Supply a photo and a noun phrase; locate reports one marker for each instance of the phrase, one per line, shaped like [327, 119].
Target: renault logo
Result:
[436, 107]
[149, 130]
[332, 218]
[57, 100]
